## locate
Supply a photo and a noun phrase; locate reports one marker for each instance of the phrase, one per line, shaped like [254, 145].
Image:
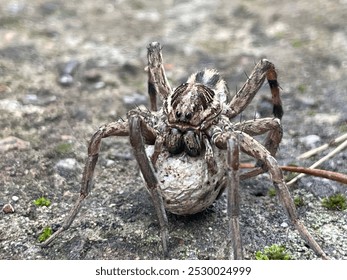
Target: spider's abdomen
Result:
[186, 184]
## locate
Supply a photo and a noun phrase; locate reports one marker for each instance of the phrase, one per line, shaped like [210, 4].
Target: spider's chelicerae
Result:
[193, 131]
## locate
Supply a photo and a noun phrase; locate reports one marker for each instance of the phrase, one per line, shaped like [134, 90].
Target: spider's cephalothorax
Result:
[192, 108]
[188, 152]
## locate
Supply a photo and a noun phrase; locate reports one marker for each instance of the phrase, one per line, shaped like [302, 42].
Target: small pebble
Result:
[66, 167]
[99, 85]
[15, 198]
[310, 141]
[134, 99]
[34, 99]
[284, 225]
[13, 143]
[66, 80]
[8, 209]
[110, 163]
[67, 71]
[70, 67]
[92, 75]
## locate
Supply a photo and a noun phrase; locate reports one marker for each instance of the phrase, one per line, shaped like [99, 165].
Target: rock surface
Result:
[108, 39]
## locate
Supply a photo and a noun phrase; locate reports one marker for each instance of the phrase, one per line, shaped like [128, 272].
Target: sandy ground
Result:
[104, 44]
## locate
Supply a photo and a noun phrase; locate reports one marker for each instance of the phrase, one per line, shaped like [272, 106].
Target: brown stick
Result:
[331, 175]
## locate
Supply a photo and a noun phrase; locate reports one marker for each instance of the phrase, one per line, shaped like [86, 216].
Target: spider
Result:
[188, 150]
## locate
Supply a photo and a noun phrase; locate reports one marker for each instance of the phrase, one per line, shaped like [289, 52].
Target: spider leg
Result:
[263, 69]
[232, 173]
[272, 141]
[137, 126]
[157, 81]
[119, 128]
[261, 126]
[253, 148]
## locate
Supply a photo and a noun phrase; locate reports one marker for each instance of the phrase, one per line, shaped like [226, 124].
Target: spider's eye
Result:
[178, 114]
[188, 116]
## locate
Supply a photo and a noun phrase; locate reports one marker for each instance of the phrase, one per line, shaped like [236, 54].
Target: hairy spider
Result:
[193, 131]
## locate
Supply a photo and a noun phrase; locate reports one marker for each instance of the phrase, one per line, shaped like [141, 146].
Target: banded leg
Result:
[119, 128]
[137, 142]
[264, 69]
[157, 81]
[253, 148]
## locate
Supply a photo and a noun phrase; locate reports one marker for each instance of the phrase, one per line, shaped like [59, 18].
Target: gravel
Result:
[46, 120]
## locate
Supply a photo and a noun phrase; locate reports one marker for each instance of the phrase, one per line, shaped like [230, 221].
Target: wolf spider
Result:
[188, 150]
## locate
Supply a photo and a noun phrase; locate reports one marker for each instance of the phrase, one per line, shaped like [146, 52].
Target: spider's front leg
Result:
[137, 127]
[119, 128]
[263, 69]
[157, 81]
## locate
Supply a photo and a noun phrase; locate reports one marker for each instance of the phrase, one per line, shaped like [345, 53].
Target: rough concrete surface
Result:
[46, 120]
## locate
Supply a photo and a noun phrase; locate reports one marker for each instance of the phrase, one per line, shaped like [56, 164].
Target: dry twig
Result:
[317, 163]
[335, 176]
[323, 147]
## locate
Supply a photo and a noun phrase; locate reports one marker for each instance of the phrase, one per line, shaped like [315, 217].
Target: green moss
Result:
[299, 201]
[42, 201]
[297, 43]
[335, 202]
[63, 148]
[280, 35]
[46, 233]
[343, 128]
[290, 175]
[272, 192]
[312, 112]
[274, 252]
[302, 88]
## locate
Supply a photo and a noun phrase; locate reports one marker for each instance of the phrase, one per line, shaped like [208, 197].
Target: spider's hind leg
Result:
[234, 234]
[253, 148]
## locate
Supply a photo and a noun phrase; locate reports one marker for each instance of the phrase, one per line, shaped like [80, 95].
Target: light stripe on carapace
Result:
[197, 101]
[208, 83]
